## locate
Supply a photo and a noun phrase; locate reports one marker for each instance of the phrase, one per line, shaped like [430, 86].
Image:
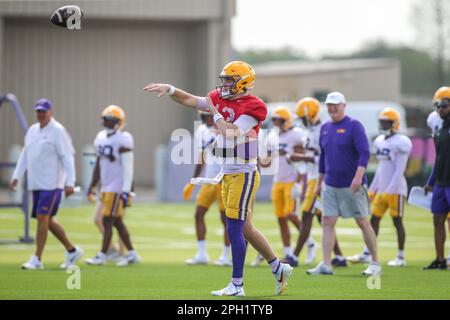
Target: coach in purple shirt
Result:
[342, 183]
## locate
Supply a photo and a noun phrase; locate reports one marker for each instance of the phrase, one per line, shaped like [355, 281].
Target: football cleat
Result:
[198, 259]
[321, 269]
[336, 262]
[258, 260]
[281, 278]
[98, 260]
[360, 258]
[33, 264]
[72, 258]
[222, 262]
[129, 258]
[372, 270]
[231, 290]
[312, 250]
[436, 265]
[291, 260]
[397, 262]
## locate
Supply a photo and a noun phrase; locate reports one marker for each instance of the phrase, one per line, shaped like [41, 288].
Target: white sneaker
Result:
[130, 258]
[281, 278]
[372, 269]
[311, 254]
[98, 260]
[222, 262]
[258, 260]
[72, 258]
[231, 290]
[320, 269]
[33, 264]
[360, 258]
[112, 255]
[397, 262]
[198, 259]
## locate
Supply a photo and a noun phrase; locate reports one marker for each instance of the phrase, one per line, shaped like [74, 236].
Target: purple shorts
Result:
[46, 202]
[440, 203]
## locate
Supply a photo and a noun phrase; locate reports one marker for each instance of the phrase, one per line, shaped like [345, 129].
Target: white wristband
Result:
[217, 117]
[171, 90]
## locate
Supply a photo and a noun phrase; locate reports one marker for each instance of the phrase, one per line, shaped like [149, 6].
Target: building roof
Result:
[284, 68]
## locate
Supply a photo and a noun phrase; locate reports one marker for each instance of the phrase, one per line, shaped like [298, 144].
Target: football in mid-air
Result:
[61, 16]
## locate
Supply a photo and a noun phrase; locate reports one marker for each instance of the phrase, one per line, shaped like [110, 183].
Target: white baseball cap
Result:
[335, 98]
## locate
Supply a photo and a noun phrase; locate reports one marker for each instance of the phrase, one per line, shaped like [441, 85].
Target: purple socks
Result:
[235, 230]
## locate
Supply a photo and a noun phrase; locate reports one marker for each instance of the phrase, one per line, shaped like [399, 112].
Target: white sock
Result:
[101, 255]
[132, 252]
[400, 254]
[288, 251]
[275, 264]
[366, 251]
[237, 281]
[310, 242]
[448, 255]
[226, 252]
[201, 247]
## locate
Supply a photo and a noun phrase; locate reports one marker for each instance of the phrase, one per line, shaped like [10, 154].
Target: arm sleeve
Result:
[66, 152]
[202, 103]
[361, 144]
[128, 170]
[21, 165]
[400, 166]
[245, 123]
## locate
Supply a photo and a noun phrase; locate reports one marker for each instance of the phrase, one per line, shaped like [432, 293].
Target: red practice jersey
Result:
[231, 110]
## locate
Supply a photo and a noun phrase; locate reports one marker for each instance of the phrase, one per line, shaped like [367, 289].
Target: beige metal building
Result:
[122, 45]
[359, 79]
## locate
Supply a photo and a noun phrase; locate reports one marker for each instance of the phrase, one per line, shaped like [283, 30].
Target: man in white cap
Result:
[343, 160]
[48, 159]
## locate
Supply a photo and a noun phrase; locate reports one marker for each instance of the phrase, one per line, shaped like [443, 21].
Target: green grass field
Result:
[164, 236]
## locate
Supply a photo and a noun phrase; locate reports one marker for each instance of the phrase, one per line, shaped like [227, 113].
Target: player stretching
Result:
[48, 159]
[308, 111]
[114, 169]
[205, 137]
[238, 116]
[388, 189]
[288, 140]
[434, 122]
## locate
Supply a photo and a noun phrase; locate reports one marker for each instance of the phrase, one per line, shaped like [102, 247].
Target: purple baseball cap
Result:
[43, 104]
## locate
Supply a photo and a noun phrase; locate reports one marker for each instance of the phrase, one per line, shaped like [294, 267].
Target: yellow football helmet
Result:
[237, 77]
[308, 109]
[442, 93]
[389, 120]
[283, 113]
[116, 114]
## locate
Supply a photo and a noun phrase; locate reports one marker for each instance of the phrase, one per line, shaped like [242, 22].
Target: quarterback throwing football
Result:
[238, 116]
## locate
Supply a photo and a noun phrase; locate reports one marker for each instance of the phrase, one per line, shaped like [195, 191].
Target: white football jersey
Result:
[285, 172]
[392, 155]
[434, 122]
[111, 169]
[205, 139]
[312, 142]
